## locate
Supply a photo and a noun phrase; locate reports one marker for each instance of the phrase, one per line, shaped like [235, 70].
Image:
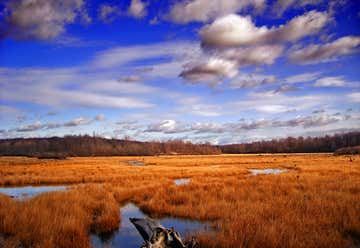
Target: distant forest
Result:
[57, 147]
[82, 146]
[292, 145]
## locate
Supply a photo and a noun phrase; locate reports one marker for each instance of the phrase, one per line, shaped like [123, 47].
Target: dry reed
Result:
[316, 203]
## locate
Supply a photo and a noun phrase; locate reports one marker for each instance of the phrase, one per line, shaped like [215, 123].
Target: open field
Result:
[316, 203]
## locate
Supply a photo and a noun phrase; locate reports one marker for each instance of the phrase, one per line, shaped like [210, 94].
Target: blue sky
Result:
[201, 70]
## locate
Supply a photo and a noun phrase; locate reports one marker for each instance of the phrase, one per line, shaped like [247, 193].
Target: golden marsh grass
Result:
[316, 203]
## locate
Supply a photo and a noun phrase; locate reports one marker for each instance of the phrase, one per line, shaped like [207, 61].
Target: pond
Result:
[256, 172]
[181, 181]
[135, 163]
[128, 237]
[24, 192]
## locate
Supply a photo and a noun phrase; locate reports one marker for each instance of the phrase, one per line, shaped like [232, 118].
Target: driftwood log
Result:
[157, 236]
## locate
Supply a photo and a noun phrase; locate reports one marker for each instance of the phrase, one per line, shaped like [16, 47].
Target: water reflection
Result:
[182, 181]
[128, 237]
[136, 163]
[266, 171]
[28, 191]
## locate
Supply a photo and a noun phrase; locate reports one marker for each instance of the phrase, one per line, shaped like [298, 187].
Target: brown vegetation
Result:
[352, 150]
[83, 146]
[314, 204]
[297, 145]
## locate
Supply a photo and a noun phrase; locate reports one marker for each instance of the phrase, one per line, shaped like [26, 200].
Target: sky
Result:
[197, 70]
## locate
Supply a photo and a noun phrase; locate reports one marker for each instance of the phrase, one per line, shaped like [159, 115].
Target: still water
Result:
[29, 191]
[128, 237]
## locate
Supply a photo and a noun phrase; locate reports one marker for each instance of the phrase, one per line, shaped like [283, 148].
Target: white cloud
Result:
[253, 55]
[327, 52]
[211, 71]
[77, 122]
[257, 100]
[232, 128]
[237, 42]
[113, 86]
[27, 85]
[205, 10]
[28, 128]
[303, 77]
[177, 51]
[108, 13]
[137, 9]
[232, 30]
[354, 97]
[281, 6]
[97, 84]
[42, 19]
[273, 109]
[80, 121]
[312, 121]
[235, 30]
[330, 82]
[196, 106]
[285, 87]
[167, 126]
[251, 80]
[225, 64]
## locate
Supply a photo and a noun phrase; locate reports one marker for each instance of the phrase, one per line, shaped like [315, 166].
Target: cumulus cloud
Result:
[235, 42]
[330, 82]
[250, 80]
[167, 126]
[211, 71]
[254, 55]
[41, 19]
[327, 52]
[137, 9]
[107, 13]
[205, 10]
[232, 30]
[235, 30]
[225, 64]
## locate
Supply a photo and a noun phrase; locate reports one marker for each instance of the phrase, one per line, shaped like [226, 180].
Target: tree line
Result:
[61, 147]
[85, 145]
[293, 145]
